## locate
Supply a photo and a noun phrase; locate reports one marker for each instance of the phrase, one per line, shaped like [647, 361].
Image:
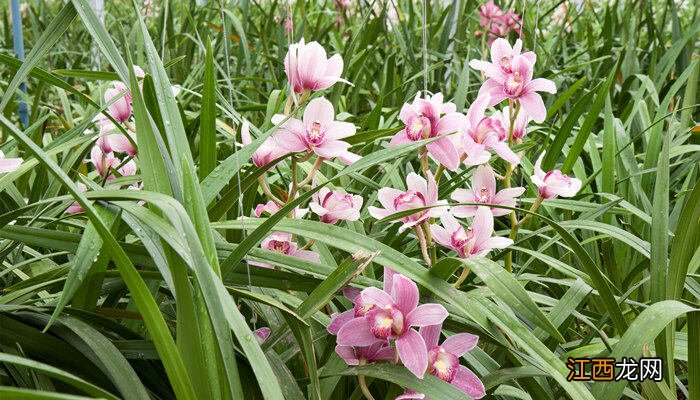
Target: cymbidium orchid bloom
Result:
[118, 143]
[268, 150]
[502, 55]
[332, 206]
[485, 133]
[105, 162]
[421, 193]
[518, 85]
[429, 118]
[307, 67]
[477, 241]
[393, 317]
[361, 355]
[554, 183]
[317, 132]
[488, 13]
[443, 362]
[483, 191]
[281, 242]
[262, 334]
[120, 110]
[271, 208]
[8, 164]
[359, 307]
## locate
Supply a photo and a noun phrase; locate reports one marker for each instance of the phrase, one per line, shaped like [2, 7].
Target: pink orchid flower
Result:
[393, 317]
[262, 334]
[318, 132]
[118, 142]
[483, 191]
[488, 13]
[271, 208]
[502, 58]
[361, 355]
[104, 162]
[429, 118]
[281, 242]
[421, 193]
[8, 164]
[333, 205]
[120, 110]
[268, 150]
[554, 183]
[75, 207]
[485, 133]
[307, 67]
[477, 241]
[360, 308]
[518, 85]
[443, 362]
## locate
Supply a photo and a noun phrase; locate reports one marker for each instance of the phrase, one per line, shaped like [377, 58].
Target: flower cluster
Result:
[382, 327]
[317, 134]
[498, 23]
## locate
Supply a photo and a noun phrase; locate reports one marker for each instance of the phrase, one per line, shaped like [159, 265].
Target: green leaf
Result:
[207, 118]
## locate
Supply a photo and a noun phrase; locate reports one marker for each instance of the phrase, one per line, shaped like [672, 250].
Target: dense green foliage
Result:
[160, 301]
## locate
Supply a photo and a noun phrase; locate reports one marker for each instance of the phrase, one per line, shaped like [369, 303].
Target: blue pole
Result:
[18, 41]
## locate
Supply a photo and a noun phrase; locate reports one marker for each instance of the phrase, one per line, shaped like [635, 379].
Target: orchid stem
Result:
[535, 205]
[365, 389]
[423, 245]
[438, 173]
[429, 242]
[508, 259]
[268, 193]
[312, 173]
[308, 245]
[129, 126]
[462, 277]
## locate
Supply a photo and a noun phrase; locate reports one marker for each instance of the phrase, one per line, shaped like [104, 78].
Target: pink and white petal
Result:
[347, 353]
[507, 194]
[385, 354]
[497, 242]
[440, 235]
[351, 292]
[451, 123]
[464, 211]
[412, 352]
[334, 66]
[466, 381]
[460, 343]
[9, 164]
[348, 158]
[399, 138]
[503, 151]
[482, 225]
[289, 140]
[376, 296]
[311, 62]
[339, 130]
[427, 314]
[331, 149]
[356, 332]
[407, 113]
[530, 56]
[500, 48]
[388, 278]
[479, 106]
[416, 183]
[484, 178]
[317, 209]
[379, 213]
[308, 255]
[409, 394]
[319, 110]
[462, 195]
[444, 152]
[450, 223]
[338, 320]
[533, 105]
[431, 335]
[387, 195]
[405, 293]
[541, 85]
